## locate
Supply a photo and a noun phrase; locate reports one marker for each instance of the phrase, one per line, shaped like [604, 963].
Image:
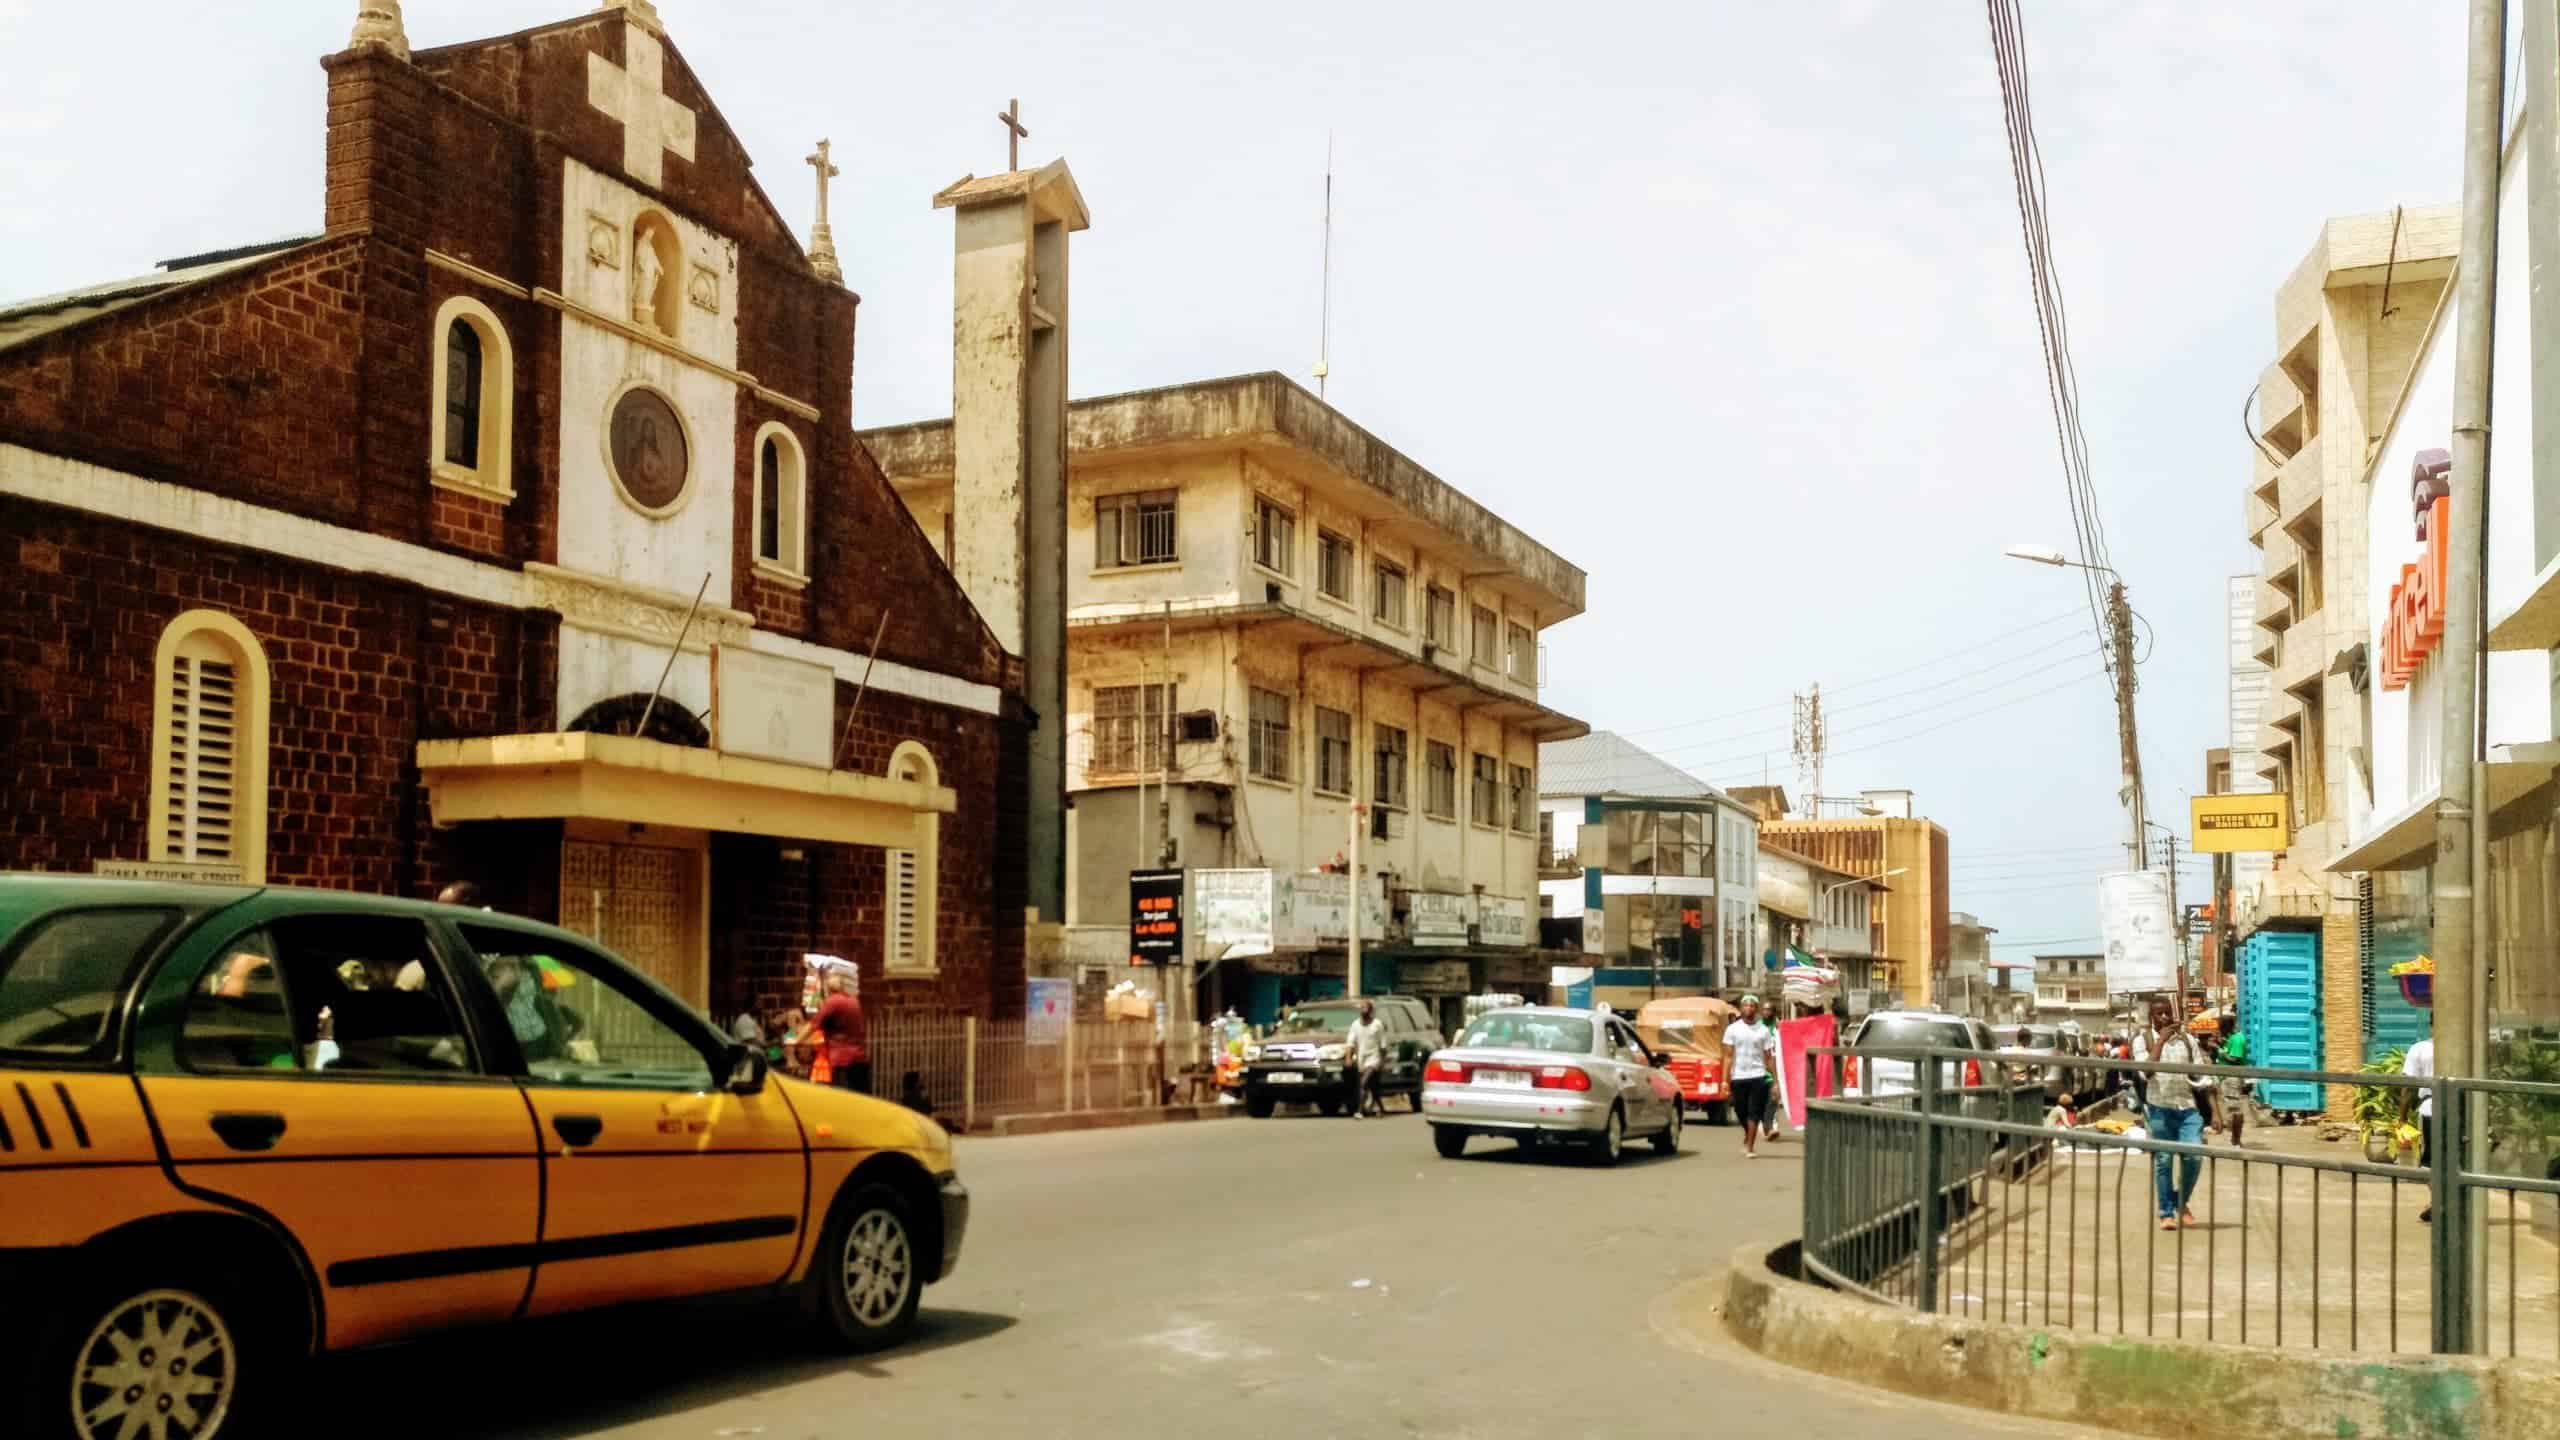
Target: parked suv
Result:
[1306, 1060]
[1913, 1030]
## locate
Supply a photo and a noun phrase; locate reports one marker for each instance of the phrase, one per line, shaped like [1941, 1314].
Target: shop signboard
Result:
[1439, 919]
[1155, 917]
[1312, 910]
[2236, 824]
[1501, 920]
[1233, 913]
[190, 872]
[1051, 1004]
[2135, 925]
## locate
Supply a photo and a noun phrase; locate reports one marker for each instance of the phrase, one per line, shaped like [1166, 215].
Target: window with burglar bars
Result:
[1334, 557]
[1128, 728]
[1387, 594]
[1440, 780]
[1275, 537]
[1133, 530]
[1270, 741]
[1487, 796]
[1389, 788]
[1440, 616]
[1333, 751]
[1488, 631]
[1523, 798]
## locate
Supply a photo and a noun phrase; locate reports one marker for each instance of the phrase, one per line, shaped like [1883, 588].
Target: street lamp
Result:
[2119, 626]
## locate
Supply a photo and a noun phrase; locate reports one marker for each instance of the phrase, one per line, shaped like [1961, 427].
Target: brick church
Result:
[513, 529]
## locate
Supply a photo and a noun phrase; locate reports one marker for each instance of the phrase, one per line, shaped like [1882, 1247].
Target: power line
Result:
[1732, 762]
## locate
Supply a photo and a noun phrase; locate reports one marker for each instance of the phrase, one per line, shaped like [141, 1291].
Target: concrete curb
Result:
[1063, 1122]
[2175, 1389]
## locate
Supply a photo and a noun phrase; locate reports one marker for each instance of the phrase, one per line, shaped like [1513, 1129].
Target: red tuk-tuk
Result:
[1688, 1030]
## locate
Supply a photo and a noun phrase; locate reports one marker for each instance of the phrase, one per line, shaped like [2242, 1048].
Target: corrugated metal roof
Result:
[1603, 763]
[26, 319]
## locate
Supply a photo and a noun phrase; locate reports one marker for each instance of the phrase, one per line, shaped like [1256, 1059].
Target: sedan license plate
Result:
[1284, 1077]
[1512, 1079]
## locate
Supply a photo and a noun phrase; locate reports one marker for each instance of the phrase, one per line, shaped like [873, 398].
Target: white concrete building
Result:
[1274, 618]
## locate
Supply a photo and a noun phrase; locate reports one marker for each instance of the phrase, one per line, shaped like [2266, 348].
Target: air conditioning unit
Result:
[1198, 726]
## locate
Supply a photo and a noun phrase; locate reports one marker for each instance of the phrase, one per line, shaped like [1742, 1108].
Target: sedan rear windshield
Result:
[62, 979]
[1521, 1030]
[1906, 1034]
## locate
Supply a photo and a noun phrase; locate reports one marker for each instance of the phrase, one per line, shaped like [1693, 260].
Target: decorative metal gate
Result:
[637, 901]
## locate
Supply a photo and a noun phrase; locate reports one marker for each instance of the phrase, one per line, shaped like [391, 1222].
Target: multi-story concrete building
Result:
[2072, 988]
[1276, 621]
[2246, 684]
[2349, 323]
[1829, 914]
[1909, 853]
[1968, 988]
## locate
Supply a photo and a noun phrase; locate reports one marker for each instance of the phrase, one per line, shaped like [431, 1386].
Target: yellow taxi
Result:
[244, 1125]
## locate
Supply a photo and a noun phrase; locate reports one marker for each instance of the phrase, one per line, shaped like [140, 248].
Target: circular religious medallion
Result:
[648, 450]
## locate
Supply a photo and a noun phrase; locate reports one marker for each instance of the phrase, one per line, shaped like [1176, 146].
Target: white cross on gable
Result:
[651, 122]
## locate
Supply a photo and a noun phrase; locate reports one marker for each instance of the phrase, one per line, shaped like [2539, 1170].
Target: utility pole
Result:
[2461, 818]
[1359, 814]
[2120, 628]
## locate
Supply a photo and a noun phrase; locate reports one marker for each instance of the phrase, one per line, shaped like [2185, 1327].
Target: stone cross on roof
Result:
[653, 124]
[822, 241]
[1011, 115]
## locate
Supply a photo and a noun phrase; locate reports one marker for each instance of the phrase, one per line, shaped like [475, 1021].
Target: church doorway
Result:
[637, 890]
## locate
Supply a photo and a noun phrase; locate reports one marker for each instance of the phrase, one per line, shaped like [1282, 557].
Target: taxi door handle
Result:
[578, 1129]
[248, 1129]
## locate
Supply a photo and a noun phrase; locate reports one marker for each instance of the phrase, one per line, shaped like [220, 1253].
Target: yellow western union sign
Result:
[2229, 824]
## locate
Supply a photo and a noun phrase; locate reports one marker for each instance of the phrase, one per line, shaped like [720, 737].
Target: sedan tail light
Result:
[1449, 1070]
[1562, 1077]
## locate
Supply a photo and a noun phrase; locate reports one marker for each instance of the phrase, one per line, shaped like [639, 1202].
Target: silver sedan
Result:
[1543, 1073]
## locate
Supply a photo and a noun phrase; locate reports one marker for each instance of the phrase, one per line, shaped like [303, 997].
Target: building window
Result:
[1488, 628]
[1387, 594]
[1333, 565]
[474, 400]
[1440, 616]
[1522, 794]
[1440, 780]
[1389, 787]
[910, 904]
[781, 501]
[1133, 530]
[209, 746]
[1522, 662]
[1275, 536]
[1546, 836]
[1129, 727]
[1269, 739]
[2311, 765]
[1486, 801]
[1333, 751]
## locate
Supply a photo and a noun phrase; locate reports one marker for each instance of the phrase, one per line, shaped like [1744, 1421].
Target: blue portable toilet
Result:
[2280, 1010]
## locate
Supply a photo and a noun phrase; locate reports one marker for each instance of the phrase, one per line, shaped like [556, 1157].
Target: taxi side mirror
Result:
[746, 1069]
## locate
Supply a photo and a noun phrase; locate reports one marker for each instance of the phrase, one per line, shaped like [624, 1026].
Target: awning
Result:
[572, 775]
[1786, 907]
[2407, 839]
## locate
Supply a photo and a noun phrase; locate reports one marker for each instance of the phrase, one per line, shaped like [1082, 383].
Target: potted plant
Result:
[2377, 1108]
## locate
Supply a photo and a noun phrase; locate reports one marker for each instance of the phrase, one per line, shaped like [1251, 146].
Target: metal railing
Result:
[972, 1071]
[1954, 1197]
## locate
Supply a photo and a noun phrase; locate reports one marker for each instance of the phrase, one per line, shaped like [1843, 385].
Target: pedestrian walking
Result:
[2420, 1064]
[1752, 1044]
[2169, 1112]
[1368, 1040]
[841, 1038]
[2234, 1099]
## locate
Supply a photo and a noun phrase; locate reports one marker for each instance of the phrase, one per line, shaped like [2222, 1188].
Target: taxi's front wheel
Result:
[163, 1357]
[867, 1278]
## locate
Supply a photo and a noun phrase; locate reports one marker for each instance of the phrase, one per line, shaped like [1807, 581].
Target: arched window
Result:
[780, 505]
[909, 902]
[471, 446]
[209, 746]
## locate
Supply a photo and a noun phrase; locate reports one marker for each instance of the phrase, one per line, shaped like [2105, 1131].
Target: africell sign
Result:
[2414, 621]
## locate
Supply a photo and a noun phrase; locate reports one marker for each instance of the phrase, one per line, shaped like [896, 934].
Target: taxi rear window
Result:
[63, 977]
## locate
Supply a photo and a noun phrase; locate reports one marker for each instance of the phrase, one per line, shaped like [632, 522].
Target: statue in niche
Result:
[646, 270]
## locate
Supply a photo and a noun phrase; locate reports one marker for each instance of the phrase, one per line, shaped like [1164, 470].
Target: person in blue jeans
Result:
[2169, 1111]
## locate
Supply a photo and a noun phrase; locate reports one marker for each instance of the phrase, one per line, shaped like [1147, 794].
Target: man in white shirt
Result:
[1752, 1045]
[2420, 1064]
[1368, 1042]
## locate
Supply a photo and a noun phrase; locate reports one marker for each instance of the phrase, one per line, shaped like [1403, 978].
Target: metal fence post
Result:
[968, 1073]
[1932, 1200]
[2449, 1243]
[1070, 1076]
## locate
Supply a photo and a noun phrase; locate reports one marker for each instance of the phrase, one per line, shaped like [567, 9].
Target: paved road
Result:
[1297, 1277]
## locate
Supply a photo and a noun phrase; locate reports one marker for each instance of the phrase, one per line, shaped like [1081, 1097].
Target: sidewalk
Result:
[2280, 1255]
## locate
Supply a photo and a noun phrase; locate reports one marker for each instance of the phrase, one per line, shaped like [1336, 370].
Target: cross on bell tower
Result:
[822, 240]
[1011, 115]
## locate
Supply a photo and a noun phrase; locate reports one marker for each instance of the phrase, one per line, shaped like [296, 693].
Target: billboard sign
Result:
[1233, 911]
[1155, 917]
[2236, 824]
[2140, 935]
[1439, 919]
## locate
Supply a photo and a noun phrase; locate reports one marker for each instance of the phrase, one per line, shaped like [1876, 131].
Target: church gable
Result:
[617, 95]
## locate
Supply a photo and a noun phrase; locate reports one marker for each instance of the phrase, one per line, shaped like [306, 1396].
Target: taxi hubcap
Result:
[158, 1367]
[878, 1266]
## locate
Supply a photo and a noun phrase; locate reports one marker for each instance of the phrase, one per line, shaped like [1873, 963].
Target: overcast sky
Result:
[1723, 302]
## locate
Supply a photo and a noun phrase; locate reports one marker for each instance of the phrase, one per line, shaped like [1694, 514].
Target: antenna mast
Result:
[1810, 742]
[1324, 332]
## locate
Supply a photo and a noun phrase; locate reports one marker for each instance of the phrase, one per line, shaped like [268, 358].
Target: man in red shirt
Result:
[841, 1035]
